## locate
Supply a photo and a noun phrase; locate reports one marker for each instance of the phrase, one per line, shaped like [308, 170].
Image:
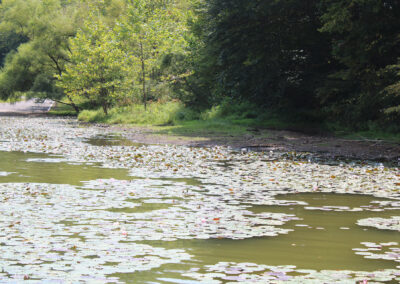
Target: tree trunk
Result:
[68, 104]
[105, 108]
[103, 99]
[143, 76]
[76, 108]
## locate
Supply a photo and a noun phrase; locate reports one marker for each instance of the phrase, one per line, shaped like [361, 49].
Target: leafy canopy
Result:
[96, 68]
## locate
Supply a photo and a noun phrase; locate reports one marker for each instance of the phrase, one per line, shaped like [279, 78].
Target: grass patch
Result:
[171, 118]
[194, 128]
[155, 114]
[228, 120]
[371, 131]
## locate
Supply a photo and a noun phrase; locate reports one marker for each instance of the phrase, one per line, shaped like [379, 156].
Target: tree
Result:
[267, 52]
[46, 27]
[366, 42]
[96, 68]
[9, 42]
[148, 31]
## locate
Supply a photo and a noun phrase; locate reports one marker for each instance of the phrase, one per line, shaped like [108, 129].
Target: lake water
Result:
[78, 217]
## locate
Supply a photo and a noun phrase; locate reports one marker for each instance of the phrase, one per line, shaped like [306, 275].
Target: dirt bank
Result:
[275, 140]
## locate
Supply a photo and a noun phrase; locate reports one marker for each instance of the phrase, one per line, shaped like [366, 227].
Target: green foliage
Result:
[118, 61]
[366, 42]
[148, 31]
[320, 59]
[212, 127]
[92, 116]
[267, 52]
[250, 62]
[228, 109]
[168, 118]
[9, 41]
[155, 114]
[64, 108]
[96, 68]
[44, 27]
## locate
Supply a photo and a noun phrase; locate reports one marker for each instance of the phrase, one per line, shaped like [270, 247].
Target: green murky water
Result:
[320, 240]
[111, 140]
[326, 243]
[41, 168]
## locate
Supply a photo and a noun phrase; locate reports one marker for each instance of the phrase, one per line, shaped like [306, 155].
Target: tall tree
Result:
[9, 41]
[268, 52]
[96, 68]
[365, 36]
[148, 31]
[47, 26]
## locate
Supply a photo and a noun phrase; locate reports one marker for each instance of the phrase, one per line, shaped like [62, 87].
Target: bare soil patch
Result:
[274, 140]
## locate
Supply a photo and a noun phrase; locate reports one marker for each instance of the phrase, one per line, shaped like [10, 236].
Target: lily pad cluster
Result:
[249, 175]
[193, 215]
[392, 223]
[232, 272]
[175, 193]
[386, 251]
[58, 232]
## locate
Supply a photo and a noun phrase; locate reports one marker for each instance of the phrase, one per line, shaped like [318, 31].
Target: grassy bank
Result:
[155, 114]
[171, 118]
[174, 118]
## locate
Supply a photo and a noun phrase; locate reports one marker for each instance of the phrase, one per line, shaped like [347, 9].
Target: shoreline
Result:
[254, 140]
[269, 140]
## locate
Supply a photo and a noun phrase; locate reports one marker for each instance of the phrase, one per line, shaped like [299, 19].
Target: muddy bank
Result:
[255, 140]
[274, 140]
